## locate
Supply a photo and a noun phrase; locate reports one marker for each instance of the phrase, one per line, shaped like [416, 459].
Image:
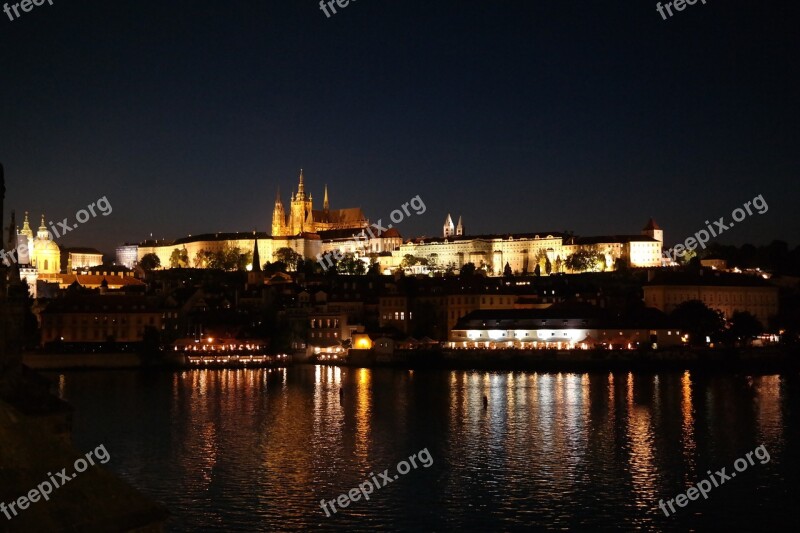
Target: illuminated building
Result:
[562, 326]
[128, 255]
[717, 290]
[99, 318]
[303, 218]
[312, 233]
[80, 258]
[46, 255]
[523, 252]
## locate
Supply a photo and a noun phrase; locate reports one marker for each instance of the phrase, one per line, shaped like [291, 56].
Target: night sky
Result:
[521, 116]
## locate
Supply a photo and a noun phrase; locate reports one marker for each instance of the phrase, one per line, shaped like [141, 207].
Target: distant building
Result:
[716, 264]
[99, 318]
[562, 326]
[128, 255]
[313, 233]
[450, 230]
[80, 258]
[45, 255]
[717, 290]
[98, 281]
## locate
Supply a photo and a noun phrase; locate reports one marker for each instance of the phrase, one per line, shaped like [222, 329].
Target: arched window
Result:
[45, 265]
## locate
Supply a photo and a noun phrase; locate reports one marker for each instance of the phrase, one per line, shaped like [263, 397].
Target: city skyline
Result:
[589, 119]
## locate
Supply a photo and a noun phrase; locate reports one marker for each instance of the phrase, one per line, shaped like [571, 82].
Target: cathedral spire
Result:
[256, 256]
[449, 227]
[301, 188]
[325, 205]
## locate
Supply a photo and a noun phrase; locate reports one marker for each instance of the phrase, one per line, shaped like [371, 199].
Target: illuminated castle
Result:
[303, 218]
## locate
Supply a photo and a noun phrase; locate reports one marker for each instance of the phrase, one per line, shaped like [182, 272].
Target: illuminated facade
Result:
[99, 318]
[81, 258]
[523, 252]
[724, 292]
[45, 254]
[128, 255]
[303, 218]
[307, 245]
[313, 233]
[561, 327]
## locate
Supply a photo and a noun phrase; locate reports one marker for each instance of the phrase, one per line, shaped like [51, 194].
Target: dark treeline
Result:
[775, 257]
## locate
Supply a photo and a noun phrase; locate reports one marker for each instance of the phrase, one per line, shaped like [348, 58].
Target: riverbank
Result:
[760, 360]
[129, 360]
[770, 359]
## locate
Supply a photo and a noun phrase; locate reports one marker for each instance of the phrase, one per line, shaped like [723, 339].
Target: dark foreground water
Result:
[252, 450]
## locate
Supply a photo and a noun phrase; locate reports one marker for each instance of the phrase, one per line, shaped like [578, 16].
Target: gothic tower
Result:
[25, 236]
[278, 217]
[449, 228]
[459, 227]
[301, 218]
[653, 230]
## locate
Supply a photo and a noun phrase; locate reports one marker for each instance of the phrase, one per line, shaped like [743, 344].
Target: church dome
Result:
[45, 246]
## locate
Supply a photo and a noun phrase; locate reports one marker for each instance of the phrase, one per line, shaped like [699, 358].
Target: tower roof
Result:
[256, 257]
[26, 227]
[449, 220]
[651, 225]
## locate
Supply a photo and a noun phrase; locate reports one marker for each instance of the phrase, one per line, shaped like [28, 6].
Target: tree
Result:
[687, 257]
[351, 265]
[548, 267]
[698, 320]
[745, 326]
[433, 261]
[468, 269]
[244, 260]
[150, 262]
[507, 271]
[272, 268]
[287, 256]
[410, 261]
[585, 259]
[205, 259]
[179, 258]
[537, 271]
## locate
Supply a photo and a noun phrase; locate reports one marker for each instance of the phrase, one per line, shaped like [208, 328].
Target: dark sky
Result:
[527, 115]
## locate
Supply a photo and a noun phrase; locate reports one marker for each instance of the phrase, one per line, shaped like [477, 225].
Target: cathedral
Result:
[303, 218]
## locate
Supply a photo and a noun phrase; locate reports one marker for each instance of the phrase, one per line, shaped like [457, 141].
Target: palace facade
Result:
[312, 233]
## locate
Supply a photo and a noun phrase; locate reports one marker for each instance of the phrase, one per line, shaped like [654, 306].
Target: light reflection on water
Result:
[258, 449]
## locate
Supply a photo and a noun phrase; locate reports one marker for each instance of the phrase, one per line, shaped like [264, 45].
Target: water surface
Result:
[256, 450]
